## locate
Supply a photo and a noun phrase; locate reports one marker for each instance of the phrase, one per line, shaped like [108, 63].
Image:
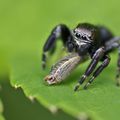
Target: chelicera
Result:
[84, 40]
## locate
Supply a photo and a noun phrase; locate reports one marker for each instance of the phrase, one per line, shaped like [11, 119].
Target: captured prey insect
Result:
[64, 67]
[84, 40]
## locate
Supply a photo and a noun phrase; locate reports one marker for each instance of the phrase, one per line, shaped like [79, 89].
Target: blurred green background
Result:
[25, 25]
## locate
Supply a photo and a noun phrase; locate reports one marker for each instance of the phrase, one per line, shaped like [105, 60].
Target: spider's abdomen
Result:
[105, 34]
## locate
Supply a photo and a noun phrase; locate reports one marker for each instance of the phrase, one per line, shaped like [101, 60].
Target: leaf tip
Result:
[53, 109]
[17, 86]
[31, 98]
[83, 116]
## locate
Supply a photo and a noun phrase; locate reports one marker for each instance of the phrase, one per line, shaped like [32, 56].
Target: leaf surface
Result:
[99, 101]
[1, 110]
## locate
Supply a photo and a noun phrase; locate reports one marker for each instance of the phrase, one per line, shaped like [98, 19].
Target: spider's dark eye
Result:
[84, 37]
[77, 35]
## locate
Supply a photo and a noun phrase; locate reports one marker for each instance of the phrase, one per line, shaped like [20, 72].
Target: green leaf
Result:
[1, 110]
[1, 117]
[99, 101]
[1, 107]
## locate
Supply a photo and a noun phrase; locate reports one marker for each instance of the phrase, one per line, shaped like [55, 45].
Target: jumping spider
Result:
[85, 40]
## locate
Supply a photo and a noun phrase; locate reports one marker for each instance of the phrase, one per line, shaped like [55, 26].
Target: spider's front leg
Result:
[104, 64]
[110, 45]
[60, 31]
[95, 59]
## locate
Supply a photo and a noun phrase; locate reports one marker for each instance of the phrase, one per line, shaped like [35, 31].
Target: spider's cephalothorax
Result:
[85, 40]
[84, 36]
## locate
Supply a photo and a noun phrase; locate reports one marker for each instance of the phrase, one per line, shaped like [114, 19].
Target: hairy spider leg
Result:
[111, 45]
[104, 64]
[95, 59]
[60, 31]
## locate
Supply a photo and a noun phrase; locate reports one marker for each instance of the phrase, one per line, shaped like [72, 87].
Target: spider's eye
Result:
[77, 35]
[84, 37]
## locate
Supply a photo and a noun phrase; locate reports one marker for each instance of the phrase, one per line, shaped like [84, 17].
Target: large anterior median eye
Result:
[77, 35]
